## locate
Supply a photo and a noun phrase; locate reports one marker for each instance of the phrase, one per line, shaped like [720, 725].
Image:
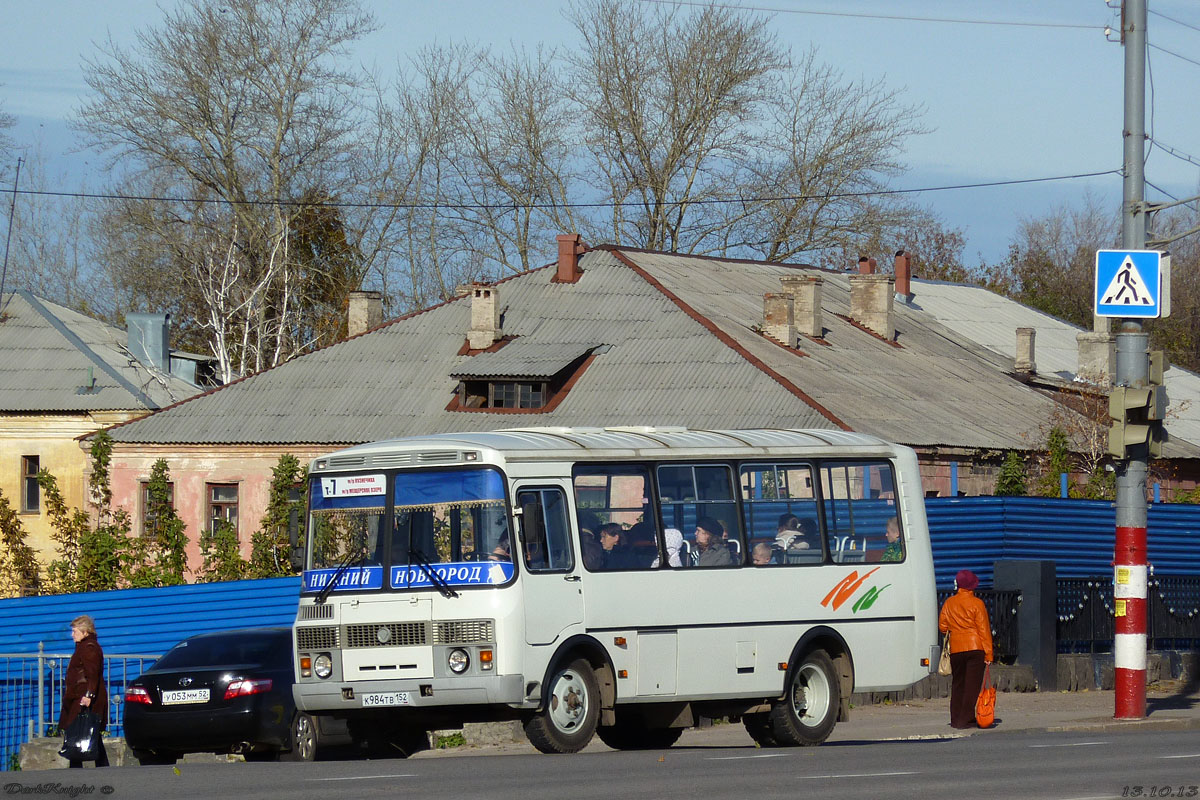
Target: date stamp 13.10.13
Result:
[1165, 790]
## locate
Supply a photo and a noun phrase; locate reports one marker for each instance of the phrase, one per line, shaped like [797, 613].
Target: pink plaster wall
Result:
[191, 472]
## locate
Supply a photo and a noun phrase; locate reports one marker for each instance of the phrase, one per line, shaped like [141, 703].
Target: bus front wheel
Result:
[807, 713]
[567, 720]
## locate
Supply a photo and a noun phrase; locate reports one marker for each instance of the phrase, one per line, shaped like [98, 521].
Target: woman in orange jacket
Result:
[965, 618]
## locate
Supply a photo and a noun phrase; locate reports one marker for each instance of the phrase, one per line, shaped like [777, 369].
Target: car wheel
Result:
[151, 758]
[570, 713]
[303, 739]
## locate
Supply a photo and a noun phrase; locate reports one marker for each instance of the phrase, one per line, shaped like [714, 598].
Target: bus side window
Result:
[545, 530]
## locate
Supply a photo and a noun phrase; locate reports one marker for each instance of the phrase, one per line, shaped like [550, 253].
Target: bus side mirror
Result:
[295, 550]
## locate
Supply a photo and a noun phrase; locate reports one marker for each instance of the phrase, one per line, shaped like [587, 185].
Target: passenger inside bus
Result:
[675, 545]
[713, 551]
[590, 550]
[617, 553]
[762, 554]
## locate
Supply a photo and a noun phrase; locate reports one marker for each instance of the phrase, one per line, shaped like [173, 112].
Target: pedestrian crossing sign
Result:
[1129, 283]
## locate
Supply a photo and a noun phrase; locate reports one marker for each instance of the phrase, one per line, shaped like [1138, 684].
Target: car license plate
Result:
[176, 697]
[385, 699]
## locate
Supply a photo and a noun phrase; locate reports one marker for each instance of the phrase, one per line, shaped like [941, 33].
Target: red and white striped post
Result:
[1129, 647]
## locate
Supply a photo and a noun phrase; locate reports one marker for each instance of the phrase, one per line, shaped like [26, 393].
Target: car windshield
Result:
[263, 648]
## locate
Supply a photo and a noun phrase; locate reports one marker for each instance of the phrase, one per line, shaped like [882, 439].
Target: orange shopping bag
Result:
[985, 706]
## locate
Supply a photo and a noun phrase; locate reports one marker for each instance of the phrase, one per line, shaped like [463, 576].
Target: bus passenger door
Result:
[552, 595]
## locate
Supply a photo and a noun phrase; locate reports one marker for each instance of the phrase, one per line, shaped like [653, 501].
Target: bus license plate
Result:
[385, 699]
[174, 697]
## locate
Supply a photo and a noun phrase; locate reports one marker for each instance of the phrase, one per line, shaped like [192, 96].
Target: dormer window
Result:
[522, 377]
[504, 394]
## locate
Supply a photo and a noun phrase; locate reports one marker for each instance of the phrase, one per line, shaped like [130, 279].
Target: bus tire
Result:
[809, 710]
[632, 735]
[567, 720]
[759, 727]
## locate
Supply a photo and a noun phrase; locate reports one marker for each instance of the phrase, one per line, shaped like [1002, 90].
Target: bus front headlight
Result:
[458, 661]
[323, 665]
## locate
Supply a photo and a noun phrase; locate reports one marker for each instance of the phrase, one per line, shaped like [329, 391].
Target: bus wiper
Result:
[351, 557]
[437, 580]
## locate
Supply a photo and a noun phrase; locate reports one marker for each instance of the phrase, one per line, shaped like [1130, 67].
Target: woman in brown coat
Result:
[965, 618]
[83, 685]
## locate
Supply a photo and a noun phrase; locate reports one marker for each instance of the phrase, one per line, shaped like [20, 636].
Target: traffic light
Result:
[1138, 412]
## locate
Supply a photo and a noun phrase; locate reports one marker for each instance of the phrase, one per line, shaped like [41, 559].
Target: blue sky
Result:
[1005, 101]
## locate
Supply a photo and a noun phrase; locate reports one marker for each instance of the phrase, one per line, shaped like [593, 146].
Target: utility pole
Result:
[1132, 370]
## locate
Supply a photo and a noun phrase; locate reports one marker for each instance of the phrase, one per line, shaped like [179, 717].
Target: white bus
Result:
[619, 582]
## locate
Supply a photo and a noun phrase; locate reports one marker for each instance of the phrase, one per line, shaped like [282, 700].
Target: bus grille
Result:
[402, 634]
[316, 638]
[316, 612]
[465, 631]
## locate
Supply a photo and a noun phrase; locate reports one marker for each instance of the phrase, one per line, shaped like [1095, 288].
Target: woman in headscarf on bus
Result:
[674, 541]
[965, 618]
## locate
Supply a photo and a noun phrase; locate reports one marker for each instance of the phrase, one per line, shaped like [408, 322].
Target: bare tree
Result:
[668, 101]
[1051, 263]
[237, 105]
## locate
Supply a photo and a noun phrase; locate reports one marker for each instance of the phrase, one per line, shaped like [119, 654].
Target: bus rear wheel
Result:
[807, 713]
[567, 720]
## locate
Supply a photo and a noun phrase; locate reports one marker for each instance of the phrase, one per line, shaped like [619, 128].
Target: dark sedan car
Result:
[227, 692]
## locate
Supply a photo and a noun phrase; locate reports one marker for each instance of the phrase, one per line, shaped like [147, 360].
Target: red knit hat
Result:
[965, 579]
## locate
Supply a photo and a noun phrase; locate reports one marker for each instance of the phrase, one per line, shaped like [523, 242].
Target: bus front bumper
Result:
[333, 696]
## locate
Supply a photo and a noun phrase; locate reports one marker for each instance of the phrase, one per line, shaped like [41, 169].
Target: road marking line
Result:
[852, 775]
[1071, 744]
[1189, 755]
[742, 758]
[363, 777]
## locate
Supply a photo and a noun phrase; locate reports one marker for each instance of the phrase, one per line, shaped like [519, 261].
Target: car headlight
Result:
[458, 661]
[323, 665]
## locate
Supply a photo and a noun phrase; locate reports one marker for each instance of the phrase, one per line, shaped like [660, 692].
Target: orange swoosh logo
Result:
[847, 586]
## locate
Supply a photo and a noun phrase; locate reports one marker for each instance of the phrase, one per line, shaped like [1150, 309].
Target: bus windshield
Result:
[451, 522]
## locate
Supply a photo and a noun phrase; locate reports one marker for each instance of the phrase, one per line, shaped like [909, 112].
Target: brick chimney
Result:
[485, 318]
[1024, 362]
[777, 318]
[903, 272]
[1097, 354]
[570, 247]
[871, 298]
[805, 294]
[366, 311]
[866, 266]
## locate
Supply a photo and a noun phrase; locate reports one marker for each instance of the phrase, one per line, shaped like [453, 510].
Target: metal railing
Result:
[1002, 607]
[1086, 614]
[31, 694]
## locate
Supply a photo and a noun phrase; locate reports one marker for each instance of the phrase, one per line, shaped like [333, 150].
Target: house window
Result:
[149, 516]
[517, 394]
[222, 505]
[31, 497]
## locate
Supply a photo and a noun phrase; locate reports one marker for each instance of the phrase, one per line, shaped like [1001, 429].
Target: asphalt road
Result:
[1069, 766]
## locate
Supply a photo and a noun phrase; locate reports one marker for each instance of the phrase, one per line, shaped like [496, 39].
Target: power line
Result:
[549, 206]
[1182, 156]
[1173, 53]
[949, 20]
[1172, 19]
